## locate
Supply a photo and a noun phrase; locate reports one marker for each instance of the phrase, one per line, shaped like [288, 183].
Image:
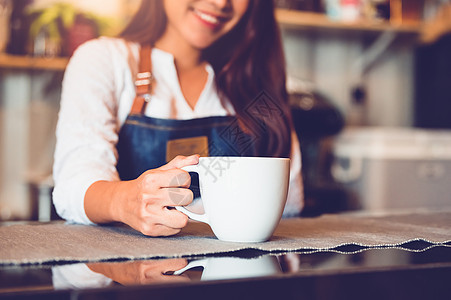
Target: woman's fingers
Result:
[180, 162]
[171, 178]
[157, 230]
[168, 217]
[177, 196]
[166, 222]
[168, 197]
[167, 188]
[158, 191]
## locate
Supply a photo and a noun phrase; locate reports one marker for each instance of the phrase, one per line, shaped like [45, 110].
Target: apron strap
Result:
[143, 80]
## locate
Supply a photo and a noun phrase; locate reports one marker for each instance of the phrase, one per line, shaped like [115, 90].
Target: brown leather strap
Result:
[143, 80]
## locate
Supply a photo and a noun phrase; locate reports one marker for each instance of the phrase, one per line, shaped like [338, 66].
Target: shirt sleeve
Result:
[77, 276]
[295, 199]
[87, 129]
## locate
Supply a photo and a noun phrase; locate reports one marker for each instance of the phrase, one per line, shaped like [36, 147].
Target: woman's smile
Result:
[209, 19]
[201, 22]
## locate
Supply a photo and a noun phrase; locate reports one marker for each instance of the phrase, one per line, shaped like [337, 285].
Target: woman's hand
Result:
[146, 203]
[156, 192]
[141, 272]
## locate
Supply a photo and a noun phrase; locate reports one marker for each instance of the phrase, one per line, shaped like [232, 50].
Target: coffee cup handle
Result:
[194, 264]
[198, 217]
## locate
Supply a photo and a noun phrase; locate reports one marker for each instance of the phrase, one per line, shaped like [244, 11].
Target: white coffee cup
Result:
[243, 197]
[220, 268]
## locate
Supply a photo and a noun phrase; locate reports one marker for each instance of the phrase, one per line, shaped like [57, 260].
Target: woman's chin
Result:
[202, 42]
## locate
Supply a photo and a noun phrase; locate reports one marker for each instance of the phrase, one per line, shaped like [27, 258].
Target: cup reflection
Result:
[145, 272]
[219, 268]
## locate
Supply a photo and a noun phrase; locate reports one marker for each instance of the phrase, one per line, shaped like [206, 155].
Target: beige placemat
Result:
[60, 242]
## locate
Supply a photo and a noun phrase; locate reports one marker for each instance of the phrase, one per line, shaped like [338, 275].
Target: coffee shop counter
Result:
[418, 268]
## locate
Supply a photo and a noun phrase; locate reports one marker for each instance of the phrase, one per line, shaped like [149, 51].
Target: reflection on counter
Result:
[220, 268]
[144, 272]
[245, 265]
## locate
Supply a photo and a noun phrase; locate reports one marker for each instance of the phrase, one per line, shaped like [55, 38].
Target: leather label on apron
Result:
[186, 147]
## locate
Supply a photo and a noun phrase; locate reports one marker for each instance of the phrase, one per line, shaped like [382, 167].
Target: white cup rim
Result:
[246, 157]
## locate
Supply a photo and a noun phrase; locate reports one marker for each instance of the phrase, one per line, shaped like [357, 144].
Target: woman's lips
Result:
[211, 20]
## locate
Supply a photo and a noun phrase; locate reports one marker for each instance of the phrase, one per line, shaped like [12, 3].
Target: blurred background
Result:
[369, 84]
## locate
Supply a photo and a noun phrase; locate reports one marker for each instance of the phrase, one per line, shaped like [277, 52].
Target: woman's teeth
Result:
[206, 17]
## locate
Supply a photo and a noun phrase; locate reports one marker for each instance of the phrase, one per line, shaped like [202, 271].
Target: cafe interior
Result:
[369, 84]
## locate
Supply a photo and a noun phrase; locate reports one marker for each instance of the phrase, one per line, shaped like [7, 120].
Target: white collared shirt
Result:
[97, 95]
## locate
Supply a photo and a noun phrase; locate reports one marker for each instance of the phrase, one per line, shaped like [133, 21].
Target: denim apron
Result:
[147, 143]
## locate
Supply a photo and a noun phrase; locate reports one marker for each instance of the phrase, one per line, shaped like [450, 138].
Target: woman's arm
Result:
[86, 133]
[87, 185]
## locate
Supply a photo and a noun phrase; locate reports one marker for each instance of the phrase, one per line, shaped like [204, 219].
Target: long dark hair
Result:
[250, 70]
